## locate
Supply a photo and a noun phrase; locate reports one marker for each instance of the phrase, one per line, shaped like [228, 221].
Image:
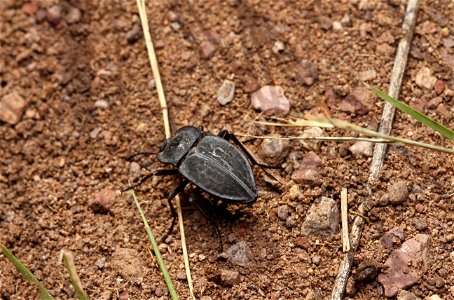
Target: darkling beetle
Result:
[210, 162]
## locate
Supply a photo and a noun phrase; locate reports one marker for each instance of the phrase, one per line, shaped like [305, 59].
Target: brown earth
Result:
[66, 147]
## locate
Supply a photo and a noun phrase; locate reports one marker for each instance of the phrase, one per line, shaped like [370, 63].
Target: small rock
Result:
[350, 289]
[208, 49]
[309, 170]
[337, 26]
[274, 151]
[384, 200]
[160, 291]
[424, 79]
[278, 47]
[434, 297]
[240, 254]
[41, 15]
[392, 237]
[312, 132]
[103, 201]
[271, 100]
[175, 25]
[250, 84]
[404, 295]
[307, 72]
[398, 192]
[12, 106]
[346, 20]
[101, 263]
[358, 102]
[290, 222]
[362, 148]
[367, 75]
[439, 87]
[443, 111]
[226, 92]
[94, 133]
[283, 212]
[448, 42]
[385, 49]
[367, 271]
[101, 104]
[342, 90]
[73, 15]
[405, 265]
[229, 278]
[433, 103]
[420, 208]
[54, 14]
[420, 224]
[134, 34]
[30, 8]
[322, 219]
[152, 84]
[128, 263]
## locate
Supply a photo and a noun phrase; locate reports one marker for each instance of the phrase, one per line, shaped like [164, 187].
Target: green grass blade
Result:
[162, 266]
[73, 277]
[43, 292]
[446, 132]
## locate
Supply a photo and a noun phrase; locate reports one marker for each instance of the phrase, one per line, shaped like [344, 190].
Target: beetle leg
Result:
[227, 135]
[154, 173]
[179, 188]
[131, 156]
[205, 214]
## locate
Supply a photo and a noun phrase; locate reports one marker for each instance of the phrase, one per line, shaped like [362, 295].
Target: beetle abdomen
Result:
[220, 169]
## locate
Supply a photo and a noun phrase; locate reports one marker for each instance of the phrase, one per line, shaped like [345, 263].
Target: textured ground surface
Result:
[89, 102]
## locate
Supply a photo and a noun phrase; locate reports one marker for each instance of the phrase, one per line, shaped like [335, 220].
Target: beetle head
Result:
[173, 149]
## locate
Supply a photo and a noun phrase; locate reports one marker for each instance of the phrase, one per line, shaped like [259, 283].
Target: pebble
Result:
[433, 103]
[134, 34]
[175, 25]
[310, 133]
[385, 49]
[208, 49]
[274, 151]
[367, 75]
[95, 132]
[226, 92]
[240, 254]
[398, 192]
[101, 263]
[283, 212]
[405, 265]
[358, 101]
[250, 84]
[309, 170]
[367, 271]
[54, 14]
[404, 295]
[73, 15]
[420, 224]
[29, 8]
[434, 297]
[361, 148]
[290, 222]
[101, 104]
[103, 201]
[278, 47]
[229, 278]
[392, 237]
[439, 87]
[307, 72]
[12, 107]
[270, 100]
[128, 263]
[443, 111]
[337, 26]
[424, 79]
[41, 15]
[322, 218]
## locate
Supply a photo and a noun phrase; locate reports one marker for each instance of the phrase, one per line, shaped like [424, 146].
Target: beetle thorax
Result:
[174, 149]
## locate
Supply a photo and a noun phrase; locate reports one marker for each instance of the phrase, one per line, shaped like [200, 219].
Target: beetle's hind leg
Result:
[146, 177]
[193, 200]
[178, 189]
[131, 156]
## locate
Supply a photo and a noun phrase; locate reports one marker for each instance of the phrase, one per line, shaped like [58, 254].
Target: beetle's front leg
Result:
[178, 189]
[154, 173]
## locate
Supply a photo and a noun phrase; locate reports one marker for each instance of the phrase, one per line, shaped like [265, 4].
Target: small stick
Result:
[165, 116]
[400, 62]
[344, 218]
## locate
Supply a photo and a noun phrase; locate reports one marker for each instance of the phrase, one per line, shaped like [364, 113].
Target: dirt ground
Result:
[82, 69]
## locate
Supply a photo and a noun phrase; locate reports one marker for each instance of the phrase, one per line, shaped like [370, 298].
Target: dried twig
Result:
[344, 219]
[400, 62]
[165, 116]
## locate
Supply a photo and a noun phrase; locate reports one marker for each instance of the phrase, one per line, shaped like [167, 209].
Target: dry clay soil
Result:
[90, 102]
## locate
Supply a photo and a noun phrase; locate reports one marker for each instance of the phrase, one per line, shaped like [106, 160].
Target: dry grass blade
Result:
[344, 218]
[165, 116]
[43, 292]
[68, 260]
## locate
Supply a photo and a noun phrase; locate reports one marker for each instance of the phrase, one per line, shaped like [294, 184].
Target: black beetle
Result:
[210, 162]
